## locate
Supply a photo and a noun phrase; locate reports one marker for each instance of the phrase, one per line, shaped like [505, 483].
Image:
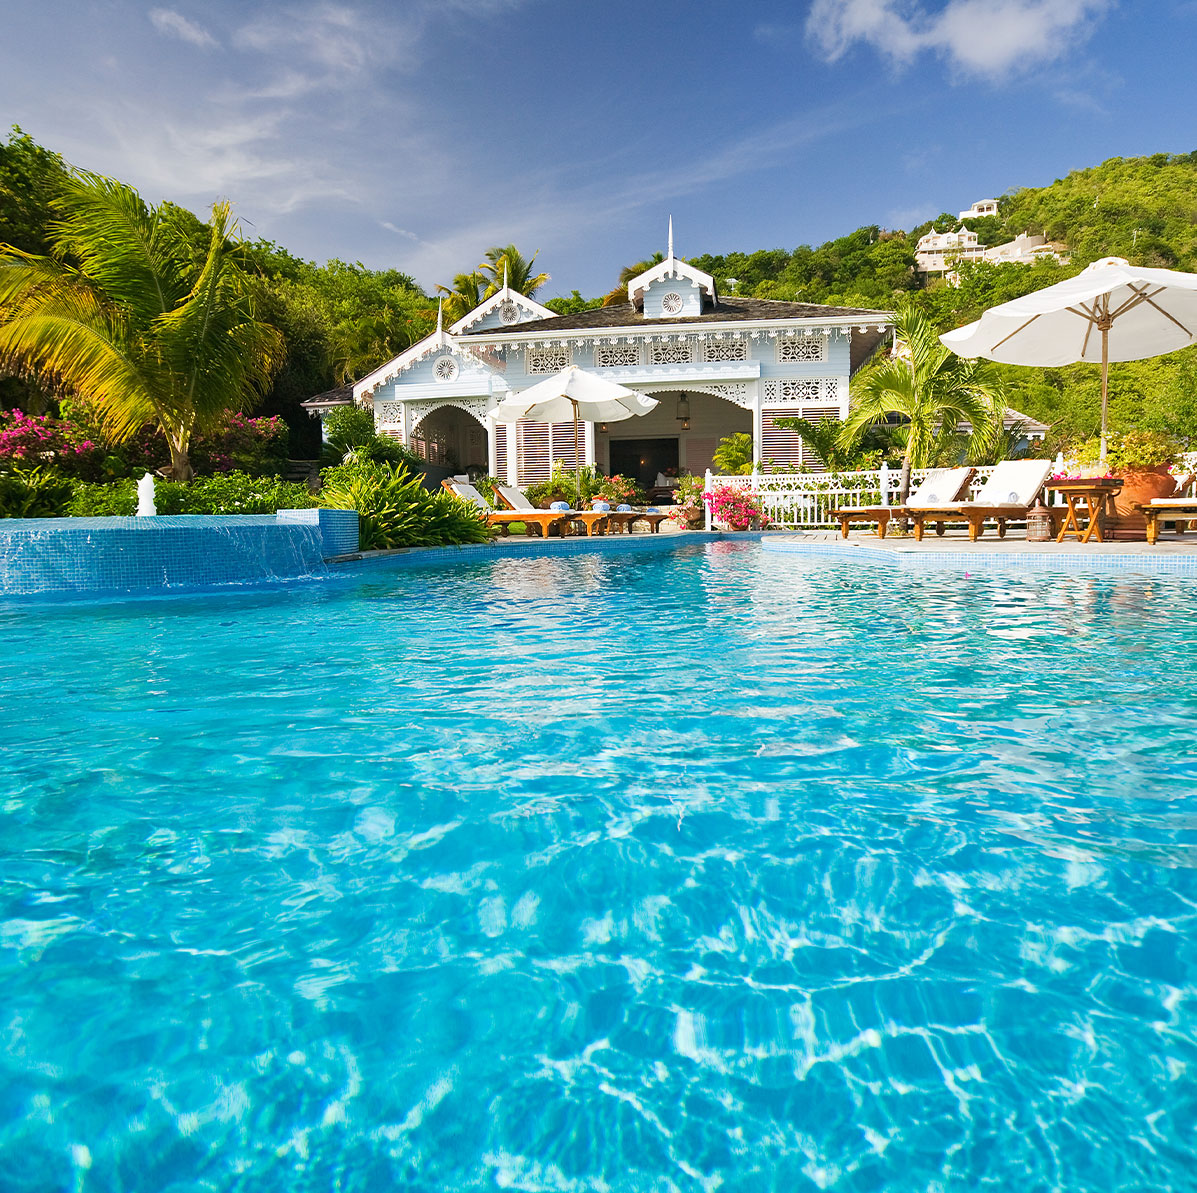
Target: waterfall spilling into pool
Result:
[169, 552]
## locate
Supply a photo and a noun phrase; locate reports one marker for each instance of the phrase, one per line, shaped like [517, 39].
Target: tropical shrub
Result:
[352, 436]
[348, 427]
[35, 492]
[733, 456]
[735, 506]
[395, 510]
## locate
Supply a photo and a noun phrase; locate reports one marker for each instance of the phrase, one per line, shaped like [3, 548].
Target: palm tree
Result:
[507, 263]
[931, 389]
[626, 274]
[464, 295]
[145, 314]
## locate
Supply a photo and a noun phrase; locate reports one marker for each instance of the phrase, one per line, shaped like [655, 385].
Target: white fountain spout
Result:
[145, 497]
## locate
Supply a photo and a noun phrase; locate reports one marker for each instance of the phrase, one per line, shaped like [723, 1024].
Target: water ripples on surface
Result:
[701, 870]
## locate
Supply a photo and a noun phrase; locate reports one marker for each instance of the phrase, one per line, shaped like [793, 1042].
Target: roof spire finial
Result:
[504, 277]
[671, 238]
[440, 316]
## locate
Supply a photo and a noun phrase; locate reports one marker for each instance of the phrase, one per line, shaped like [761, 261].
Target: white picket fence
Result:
[805, 499]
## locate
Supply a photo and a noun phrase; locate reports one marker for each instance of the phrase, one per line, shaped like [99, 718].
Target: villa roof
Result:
[730, 309]
[873, 325]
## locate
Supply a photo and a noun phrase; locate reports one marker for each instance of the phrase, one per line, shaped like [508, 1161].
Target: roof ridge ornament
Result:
[670, 254]
[440, 316]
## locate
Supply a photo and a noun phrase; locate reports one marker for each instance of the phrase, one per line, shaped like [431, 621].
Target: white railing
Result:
[807, 498]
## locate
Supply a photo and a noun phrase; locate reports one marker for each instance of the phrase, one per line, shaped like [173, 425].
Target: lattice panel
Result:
[613, 356]
[548, 360]
[714, 351]
[388, 414]
[798, 349]
[671, 354]
[793, 390]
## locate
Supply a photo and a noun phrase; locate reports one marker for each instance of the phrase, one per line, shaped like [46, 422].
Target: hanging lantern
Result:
[683, 412]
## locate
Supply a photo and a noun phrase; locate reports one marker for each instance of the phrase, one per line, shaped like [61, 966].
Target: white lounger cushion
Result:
[469, 493]
[515, 498]
[1014, 482]
[941, 486]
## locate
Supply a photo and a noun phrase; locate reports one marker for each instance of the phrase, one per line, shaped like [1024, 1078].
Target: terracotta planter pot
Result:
[1138, 486]
[1142, 485]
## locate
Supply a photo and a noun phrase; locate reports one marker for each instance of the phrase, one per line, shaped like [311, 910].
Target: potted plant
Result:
[689, 509]
[1142, 460]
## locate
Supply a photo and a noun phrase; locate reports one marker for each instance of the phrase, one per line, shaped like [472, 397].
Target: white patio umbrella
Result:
[1110, 311]
[573, 393]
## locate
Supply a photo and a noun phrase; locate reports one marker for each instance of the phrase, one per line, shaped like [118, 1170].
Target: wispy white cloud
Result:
[175, 24]
[991, 38]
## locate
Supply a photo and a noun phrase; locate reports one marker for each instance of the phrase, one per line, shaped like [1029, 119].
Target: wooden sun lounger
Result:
[541, 521]
[592, 521]
[1179, 510]
[975, 515]
[1022, 480]
[882, 514]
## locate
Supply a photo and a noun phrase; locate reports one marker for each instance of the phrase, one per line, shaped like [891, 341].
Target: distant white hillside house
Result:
[717, 365]
[982, 207]
[939, 252]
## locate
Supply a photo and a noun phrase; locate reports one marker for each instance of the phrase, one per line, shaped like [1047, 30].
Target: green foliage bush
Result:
[35, 492]
[395, 510]
[227, 493]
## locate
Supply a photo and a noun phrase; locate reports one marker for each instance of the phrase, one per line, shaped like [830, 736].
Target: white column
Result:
[588, 449]
[492, 444]
[706, 505]
[884, 483]
[513, 463]
[758, 427]
[404, 427]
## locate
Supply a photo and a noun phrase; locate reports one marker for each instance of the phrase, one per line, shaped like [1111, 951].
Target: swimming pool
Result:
[689, 869]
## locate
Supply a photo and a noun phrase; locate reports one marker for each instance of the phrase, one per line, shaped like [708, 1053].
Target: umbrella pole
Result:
[1105, 384]
[577, 462]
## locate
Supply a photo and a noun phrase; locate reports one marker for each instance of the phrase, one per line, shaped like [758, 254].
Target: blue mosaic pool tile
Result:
[161, 553]
[338, 528]
[1143, 563]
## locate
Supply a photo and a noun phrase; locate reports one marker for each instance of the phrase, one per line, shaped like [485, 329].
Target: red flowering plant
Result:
[34, 439]
[737, 508]
[620, 490]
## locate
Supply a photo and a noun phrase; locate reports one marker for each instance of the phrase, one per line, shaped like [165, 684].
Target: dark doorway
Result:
[643, 458]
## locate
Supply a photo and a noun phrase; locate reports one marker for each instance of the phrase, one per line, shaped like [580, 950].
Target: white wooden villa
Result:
[717, 365]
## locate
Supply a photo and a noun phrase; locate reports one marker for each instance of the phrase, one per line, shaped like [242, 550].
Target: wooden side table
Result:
[1096, 493]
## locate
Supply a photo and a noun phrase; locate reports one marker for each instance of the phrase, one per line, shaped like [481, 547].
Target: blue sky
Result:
[416, 133]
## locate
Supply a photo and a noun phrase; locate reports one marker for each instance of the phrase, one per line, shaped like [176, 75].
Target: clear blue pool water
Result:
[675, 871]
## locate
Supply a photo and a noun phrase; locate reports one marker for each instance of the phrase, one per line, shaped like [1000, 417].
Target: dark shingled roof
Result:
[623, 314]
[341, 396]
[730, 309]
